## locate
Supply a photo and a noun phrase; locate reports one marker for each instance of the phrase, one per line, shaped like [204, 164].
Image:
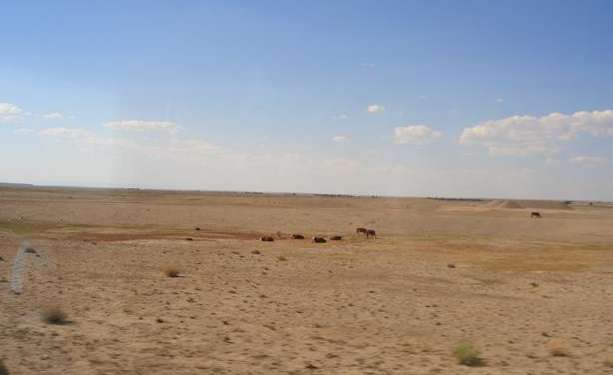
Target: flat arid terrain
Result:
[441, 279]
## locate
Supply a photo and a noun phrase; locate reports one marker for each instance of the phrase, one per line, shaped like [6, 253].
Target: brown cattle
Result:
[319, 240]
[267, 239]
[297, 237]
[535, 214]
[371, 232]
[336, 238]
[361, 230]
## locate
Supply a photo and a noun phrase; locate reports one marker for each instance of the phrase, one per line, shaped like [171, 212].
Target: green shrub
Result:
[467, 354]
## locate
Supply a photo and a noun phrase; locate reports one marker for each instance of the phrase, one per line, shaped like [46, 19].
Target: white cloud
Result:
[140, 126]
[23, 131]
[341, 116]
[83, 138]
[415, 134]
[528, 135]
[64, 132]
[53, 116]
[341, 138]
[173, 149]
[190, 148]
[375, 108]
[588, 161]
[10, 112]
[499, 100]
[367, 65]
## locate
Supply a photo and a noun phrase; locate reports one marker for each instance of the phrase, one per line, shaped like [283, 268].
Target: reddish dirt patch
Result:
[159, 235]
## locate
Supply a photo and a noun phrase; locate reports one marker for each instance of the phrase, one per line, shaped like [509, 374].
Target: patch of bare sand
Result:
[395, 305]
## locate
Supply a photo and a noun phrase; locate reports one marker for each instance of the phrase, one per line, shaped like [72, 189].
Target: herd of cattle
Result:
[365, 231]
[320, 239]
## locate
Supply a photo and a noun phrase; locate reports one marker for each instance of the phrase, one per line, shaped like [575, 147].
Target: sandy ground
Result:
[439, 273]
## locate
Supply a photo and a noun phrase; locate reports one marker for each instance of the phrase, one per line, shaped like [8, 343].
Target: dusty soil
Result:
[439, 273]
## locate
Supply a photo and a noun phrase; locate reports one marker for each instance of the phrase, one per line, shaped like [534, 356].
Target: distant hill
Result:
[14, 185]
[542, 204]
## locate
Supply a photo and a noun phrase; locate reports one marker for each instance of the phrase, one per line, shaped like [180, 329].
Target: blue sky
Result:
[387, 97]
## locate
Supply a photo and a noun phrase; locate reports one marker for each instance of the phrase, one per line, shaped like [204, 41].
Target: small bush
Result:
[558, 347]
[609, 361]
[171, 271]
[54, 315]
[467, 354]
[3, 369]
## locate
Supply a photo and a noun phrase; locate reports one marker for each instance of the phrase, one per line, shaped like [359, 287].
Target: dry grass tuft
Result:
[54, 315]
[609, 361]
[558, 347]
[467, 354]
[171, 271]
[3, 369]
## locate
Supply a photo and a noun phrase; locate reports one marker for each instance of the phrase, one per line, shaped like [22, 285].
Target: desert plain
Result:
[533, 295]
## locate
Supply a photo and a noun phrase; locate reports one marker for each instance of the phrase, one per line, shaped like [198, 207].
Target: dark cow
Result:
[297, 237]
[319, 240]
[535, 215]
[361, 230]
[371, 232]
[267, 239]
[336, 238]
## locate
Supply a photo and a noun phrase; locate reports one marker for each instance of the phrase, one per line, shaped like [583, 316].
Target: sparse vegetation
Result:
[467, 354]
[171, 271]
[558, 347]
[609, 361]
[281, 258]
[54, 315]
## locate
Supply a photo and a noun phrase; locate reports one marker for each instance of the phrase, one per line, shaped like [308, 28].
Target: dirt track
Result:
[440, 272]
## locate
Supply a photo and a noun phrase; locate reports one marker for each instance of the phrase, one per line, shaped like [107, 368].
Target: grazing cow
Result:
[297, 237]
[336, 238]
[371, 232]
[535, 215]
[319, 240]
[361, 230]
[267, 239]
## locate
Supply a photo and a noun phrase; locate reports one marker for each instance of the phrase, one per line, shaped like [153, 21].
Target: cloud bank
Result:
[10, 112]
[141, 126]
[53, 116]
[415, 134]
[375, 108]
[588, 161]
[341, 138]
[530, 135]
